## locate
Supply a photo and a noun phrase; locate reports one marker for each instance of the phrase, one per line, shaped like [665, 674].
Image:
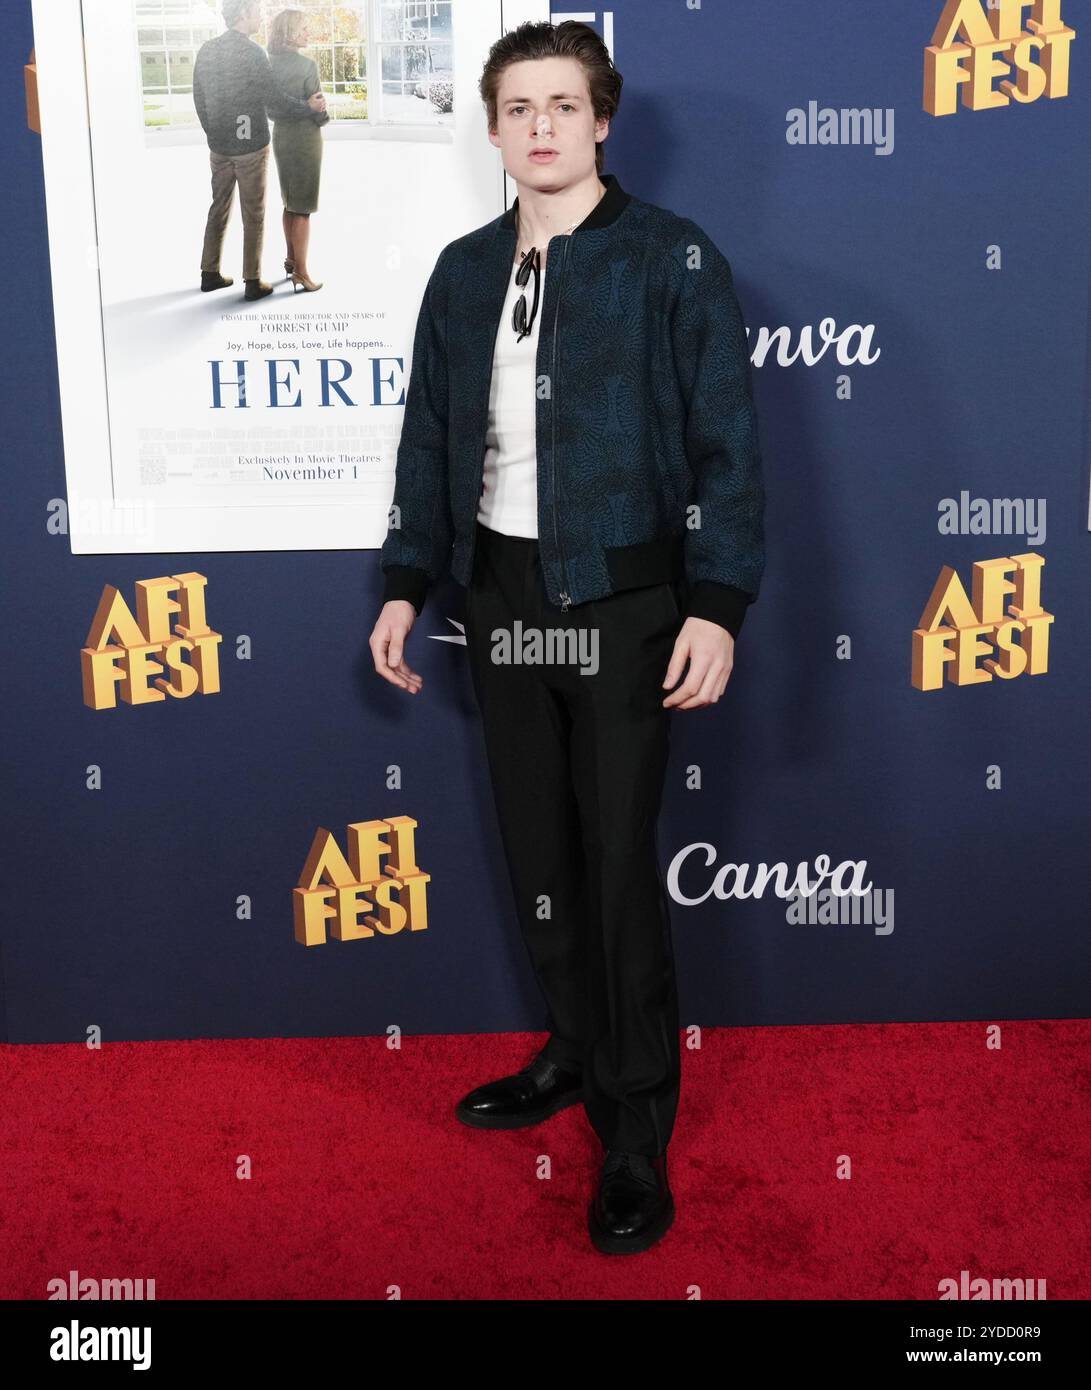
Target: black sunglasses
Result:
[519, 319]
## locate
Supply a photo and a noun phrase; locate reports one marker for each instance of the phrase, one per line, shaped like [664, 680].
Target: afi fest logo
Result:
[975, 43]
[121, 650]
[1014, 640]
[361, 873]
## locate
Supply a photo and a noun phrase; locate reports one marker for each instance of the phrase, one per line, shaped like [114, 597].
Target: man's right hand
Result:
[317, 101]
[388, 640]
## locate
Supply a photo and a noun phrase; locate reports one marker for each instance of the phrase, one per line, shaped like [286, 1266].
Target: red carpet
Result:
[122, 1163]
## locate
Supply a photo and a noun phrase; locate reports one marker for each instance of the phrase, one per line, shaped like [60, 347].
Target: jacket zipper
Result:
[485, 431]
[564, 596]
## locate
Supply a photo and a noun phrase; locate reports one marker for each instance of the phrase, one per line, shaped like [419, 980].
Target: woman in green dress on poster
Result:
[297, 144]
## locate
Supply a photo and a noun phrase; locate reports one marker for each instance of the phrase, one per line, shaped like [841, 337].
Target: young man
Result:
[580, 442]
[234, 91]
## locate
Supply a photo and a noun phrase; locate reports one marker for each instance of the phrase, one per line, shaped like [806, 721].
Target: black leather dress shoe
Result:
[633, 1207]
[527, 1098]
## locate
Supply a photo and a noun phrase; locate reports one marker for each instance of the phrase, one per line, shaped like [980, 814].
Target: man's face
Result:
[545, 105]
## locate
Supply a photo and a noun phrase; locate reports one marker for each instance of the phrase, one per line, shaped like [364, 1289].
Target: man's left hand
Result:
[711, 652]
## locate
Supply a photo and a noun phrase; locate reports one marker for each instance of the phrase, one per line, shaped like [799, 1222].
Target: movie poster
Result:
[317, 156]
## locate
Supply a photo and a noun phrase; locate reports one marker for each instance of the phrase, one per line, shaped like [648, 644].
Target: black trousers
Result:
[577, 763]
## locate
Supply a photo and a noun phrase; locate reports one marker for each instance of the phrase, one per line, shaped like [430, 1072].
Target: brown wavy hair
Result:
[571, 39]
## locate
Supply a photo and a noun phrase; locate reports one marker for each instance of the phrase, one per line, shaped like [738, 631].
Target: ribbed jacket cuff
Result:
[719, 603]
[406, 582]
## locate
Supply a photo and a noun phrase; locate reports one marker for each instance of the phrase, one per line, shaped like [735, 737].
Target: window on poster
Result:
[408, 43]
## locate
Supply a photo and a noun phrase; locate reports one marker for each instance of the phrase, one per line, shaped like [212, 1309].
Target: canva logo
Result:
[975, 43]
[121, 650]
[978, 626]
[730, 880]
[851, 344]
[359, 882]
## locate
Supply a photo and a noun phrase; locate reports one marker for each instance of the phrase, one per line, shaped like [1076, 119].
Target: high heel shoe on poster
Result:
[304, 282]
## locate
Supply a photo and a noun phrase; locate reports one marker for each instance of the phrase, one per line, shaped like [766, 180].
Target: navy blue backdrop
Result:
[121, 903]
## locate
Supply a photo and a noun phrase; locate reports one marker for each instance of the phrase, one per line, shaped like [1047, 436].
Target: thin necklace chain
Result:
[564, 232]
[571, 227]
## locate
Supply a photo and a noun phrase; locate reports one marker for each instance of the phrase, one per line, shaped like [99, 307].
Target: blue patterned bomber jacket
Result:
[649, 466]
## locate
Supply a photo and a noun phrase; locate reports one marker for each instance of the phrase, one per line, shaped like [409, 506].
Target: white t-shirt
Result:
[509, 494]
